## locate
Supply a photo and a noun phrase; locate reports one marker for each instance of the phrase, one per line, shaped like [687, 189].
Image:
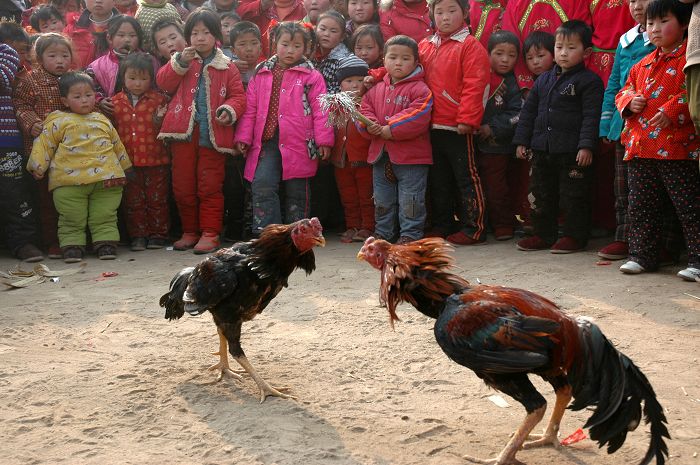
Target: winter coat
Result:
[405, 107]
[350, 147]
[501, 114]
[485, 18]
[137, 128]
[396, 18]
[9, 130]
[562, 112]
[457, 70]
[300, 118]
[609, 20]
[223, 89]
[329, 65]
[80, 30]
[105, 71]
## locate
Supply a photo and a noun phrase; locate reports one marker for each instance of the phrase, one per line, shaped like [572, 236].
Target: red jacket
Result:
[485, 17]
[610, 19]
[250, 10]
[223, 87]
[80, 30]
[396, 18]
[349, 146]
[405, 106]
[137, 129]
[457, 70]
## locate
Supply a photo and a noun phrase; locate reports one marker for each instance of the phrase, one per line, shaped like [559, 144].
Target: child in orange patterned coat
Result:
[138, 113]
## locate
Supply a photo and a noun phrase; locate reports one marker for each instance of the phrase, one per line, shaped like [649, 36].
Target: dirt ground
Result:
[92, 373]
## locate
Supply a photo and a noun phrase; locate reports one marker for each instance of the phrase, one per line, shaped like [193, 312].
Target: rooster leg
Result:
[551, 433]
[223, 366]
[507, 455]
[265, 388]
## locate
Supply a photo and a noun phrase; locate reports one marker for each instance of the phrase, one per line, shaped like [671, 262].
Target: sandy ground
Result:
[92, 373]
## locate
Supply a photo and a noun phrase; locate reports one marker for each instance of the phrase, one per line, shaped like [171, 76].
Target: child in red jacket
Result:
[88, 29]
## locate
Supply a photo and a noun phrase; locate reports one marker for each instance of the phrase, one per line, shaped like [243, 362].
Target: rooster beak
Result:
[320, 241]
[360, 255]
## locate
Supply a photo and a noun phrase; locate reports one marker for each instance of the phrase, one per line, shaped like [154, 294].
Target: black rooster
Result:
[504, 334]
[237, 283]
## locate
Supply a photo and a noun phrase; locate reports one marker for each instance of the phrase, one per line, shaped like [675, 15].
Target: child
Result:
[400, 149]
[16, 212]
[126, 7]
[661, 147]
[539, 53]
[228, 20]
[283, 131]
[13, 35]
[67, 6]
[87, 30]
[208, 98]
[167, 38]
[222, 7]
[314, 10]
[246, 43]
[408, 17]
[559, 122]
[265, 13]
[456, 67]
[353, 175]
[36, 95]
[330, 33]
[496, 160]
[138, 113]
[47, 19]
[367, 43]
[634, 45]
[85, 161]
[151, 11]
[360, 12]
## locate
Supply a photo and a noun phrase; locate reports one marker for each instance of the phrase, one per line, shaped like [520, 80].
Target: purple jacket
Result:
[300, 118]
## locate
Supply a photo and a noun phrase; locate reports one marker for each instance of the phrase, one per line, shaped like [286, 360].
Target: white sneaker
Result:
[632, 268]
[689, 274]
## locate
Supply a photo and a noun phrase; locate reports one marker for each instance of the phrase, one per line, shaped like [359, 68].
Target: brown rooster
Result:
[504, 334]
[237, 283]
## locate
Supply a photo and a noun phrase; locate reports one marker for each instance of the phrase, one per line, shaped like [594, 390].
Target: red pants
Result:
[496, 170]
[355, 187]
[146, 201]
[198, 178]
[47, 214]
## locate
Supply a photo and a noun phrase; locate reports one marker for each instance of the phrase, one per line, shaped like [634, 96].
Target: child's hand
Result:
[584, 157]
[374, 129]
[242, 147]
[36, 129]
[485, 132]
[637, 104]
[325, 152]
[385, 132]
[368, 82]
[465, 129]
[521, 152]
[160, 112]
[224, 117]
[661, 120]
[241, 65]
[605, 140]
[187, 55]
[106, 106]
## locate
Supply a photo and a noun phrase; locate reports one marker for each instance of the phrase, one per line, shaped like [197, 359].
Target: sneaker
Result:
[566, 244]
[631, 267]
[530, 244]
[347, 236]
[106, 252]
[435, 233]
[186, 242]
[138, 244]
[689, 274]
[459, 238]
[503, 234]
[403, 240]
[156, 243]
[614, 251]
[208, 243]
[55, 252]
[72, 254]
[29, 253]
[361, 235]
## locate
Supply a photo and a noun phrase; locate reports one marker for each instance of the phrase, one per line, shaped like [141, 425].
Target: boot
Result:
[208, 243]
[187, 241]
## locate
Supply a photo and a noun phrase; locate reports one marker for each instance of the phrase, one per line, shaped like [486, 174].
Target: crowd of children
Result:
[500, 116]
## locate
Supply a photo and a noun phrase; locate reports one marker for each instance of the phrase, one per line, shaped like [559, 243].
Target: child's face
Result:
[56, 59]
[226, 25]
[247, 47]
[360, 11]
[23, 49]
[80, 98]
[290, 49]
[125, 40]
[666, 33]
[503, 58]
[202, 40]
[367, 49]
[638, 10]
[449, 16]
[100, 9]
[353, 84]
[52, 24]
[169, 41]
[137, 81]
[329, 34]
[314, 8]
[539, 60]
[569, 51]
[399, 61]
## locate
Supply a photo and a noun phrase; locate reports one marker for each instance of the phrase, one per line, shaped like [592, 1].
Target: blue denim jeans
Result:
[405, 199]
[265, 190]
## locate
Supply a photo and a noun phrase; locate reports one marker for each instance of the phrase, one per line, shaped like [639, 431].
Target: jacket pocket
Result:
[449, 97]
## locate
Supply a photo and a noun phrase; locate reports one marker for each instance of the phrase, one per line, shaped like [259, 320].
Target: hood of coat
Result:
[417, 74]
[266, 66]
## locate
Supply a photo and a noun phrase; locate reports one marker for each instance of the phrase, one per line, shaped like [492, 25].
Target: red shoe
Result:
[566, 244]
[208, 243]
[459, 238]
[530, 244]
[614, 251]
[503, 234]
[55, 252]
[187, 241]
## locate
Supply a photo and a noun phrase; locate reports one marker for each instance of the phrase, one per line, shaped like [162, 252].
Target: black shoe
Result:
[138, 244]
[156, 243]
[29, 253]
[106, 252]
[72, 254]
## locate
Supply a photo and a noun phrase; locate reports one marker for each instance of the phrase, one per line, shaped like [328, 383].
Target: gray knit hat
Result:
[351, 66]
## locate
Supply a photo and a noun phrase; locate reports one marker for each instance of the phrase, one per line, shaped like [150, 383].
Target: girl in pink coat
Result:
[283, 132]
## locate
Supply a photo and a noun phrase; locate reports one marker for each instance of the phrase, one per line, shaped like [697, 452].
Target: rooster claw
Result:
[266, 391]
[494, 461]
[224, 370]
[542, 440]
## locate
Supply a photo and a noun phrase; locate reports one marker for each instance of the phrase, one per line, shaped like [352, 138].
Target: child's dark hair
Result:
[208, 18]
[72, 78]
[44, 41]
[464, 4]
[45, 13]
[660, 8]
[230, 14]
[162, 24]
[335, 16]
[371, 30]
[503, 37]
[539, 40]
[139, 61]
[402, 40]
[117, 22]
[578, 28]
[244, 27]
[292, 28]
[13, 32]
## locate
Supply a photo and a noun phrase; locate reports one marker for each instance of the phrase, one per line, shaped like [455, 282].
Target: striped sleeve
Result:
[415, 118]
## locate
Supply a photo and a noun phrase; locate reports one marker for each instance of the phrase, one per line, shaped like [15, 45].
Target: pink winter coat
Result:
[223, 87]
[300, 118]
[405, 106]
[105, 70]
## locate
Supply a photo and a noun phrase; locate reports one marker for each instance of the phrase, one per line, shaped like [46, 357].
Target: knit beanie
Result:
[351, 66]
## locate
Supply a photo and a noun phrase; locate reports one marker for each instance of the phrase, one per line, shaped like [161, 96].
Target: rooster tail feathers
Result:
[172, 300]
[607, 379]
